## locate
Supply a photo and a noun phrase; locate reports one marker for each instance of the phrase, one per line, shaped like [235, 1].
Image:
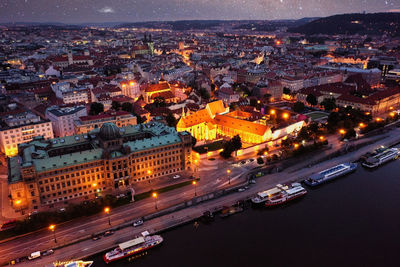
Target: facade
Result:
[214, 122]
[107, 160]
[63, 118]
[70, 94]
[20, 128]
[86, 124]
[375, 102]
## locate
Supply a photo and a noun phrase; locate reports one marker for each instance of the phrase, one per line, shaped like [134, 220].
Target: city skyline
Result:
[87, 11]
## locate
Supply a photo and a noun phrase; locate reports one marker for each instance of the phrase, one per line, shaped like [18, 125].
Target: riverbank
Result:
[192, 212]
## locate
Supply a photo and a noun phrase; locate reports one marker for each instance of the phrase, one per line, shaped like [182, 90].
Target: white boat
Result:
[133, 247]
[330, 174]
[263, 196]
[77, 263]
[287, 194]
[381, 157]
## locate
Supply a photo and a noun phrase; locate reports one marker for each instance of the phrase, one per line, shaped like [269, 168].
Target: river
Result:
[352, 221]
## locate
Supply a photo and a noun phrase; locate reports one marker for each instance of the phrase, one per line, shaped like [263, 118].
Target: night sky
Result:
[79, 11]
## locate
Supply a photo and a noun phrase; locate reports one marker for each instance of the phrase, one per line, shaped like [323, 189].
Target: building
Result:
[373, 101]
[62, 118]
[85, 124]
[20, 127]
[160, 90]
[70, 59]
[107, 160]
[69, 93]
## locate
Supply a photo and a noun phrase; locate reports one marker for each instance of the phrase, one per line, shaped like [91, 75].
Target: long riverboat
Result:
[133, 247]
[381, 157]
[263, 196]
[287, 194]
[330, 174]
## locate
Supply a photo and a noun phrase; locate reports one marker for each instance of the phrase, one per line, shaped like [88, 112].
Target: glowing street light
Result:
[296, 146]
[321, 138]
[272, 112]
[392, 114]
[131, 83]
[342, 131]
[378, 119]
[229, 175]
[18, 201]
[155, 196]
[361, 124]
[107, 211]
[52, 228]
[285, 115]
[195, 186]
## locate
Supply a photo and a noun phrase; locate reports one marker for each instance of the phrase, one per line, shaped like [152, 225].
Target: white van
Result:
[34, 255]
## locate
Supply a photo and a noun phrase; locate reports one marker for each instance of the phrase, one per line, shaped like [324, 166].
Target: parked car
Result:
[137, 223]
[176, 176]
[252, 181]
[48, 252]
[241, 189]
[108, 233]
[34, 255]
[96, 237]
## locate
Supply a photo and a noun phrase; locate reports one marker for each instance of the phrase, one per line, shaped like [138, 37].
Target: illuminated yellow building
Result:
[214, 121]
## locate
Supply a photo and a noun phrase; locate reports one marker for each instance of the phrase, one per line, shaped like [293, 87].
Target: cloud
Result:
[106, 9]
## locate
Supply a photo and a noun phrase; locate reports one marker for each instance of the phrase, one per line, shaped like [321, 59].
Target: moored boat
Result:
[330, 174]
[133, 247]
[263, 196]
[381, 156]
[287, 194]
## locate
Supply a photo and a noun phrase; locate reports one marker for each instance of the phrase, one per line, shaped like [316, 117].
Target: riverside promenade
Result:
[190, 210]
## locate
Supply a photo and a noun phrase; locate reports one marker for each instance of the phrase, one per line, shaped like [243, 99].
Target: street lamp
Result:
[195, 185]
[107, 211]
[341, 131]
[285, 115]
[155, 195]
[52, 228]
[229, 175]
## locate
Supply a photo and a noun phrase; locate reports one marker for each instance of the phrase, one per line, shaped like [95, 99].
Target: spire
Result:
[183, 112]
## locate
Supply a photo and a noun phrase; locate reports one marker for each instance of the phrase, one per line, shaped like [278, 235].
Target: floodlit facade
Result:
[107, 160]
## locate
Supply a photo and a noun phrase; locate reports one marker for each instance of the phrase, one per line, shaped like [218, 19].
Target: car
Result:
[34, 255]
[251, 160]
[62, 210]
[96, 237]
[252, 181]
[48, 252]
[137, 223]
[120, 196]
[176, 176]
[241, 189]
[108, 233]
[243, 162]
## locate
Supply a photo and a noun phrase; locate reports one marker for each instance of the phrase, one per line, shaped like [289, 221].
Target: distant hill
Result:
[258, 25]
[373, 24]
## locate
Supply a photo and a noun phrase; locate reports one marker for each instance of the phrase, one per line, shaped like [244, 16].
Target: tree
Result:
[96, 108]
[286, 91]
[115, 105]
[312, 100]
[127, 107]
[260, 160]
[329, 104]
[159, 101]
[232, 145]
[204, 94]
[236, 142]
[298, 107]
[171, 120]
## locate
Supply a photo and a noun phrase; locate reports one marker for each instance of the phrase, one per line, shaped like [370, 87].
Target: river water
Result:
[352, 221]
